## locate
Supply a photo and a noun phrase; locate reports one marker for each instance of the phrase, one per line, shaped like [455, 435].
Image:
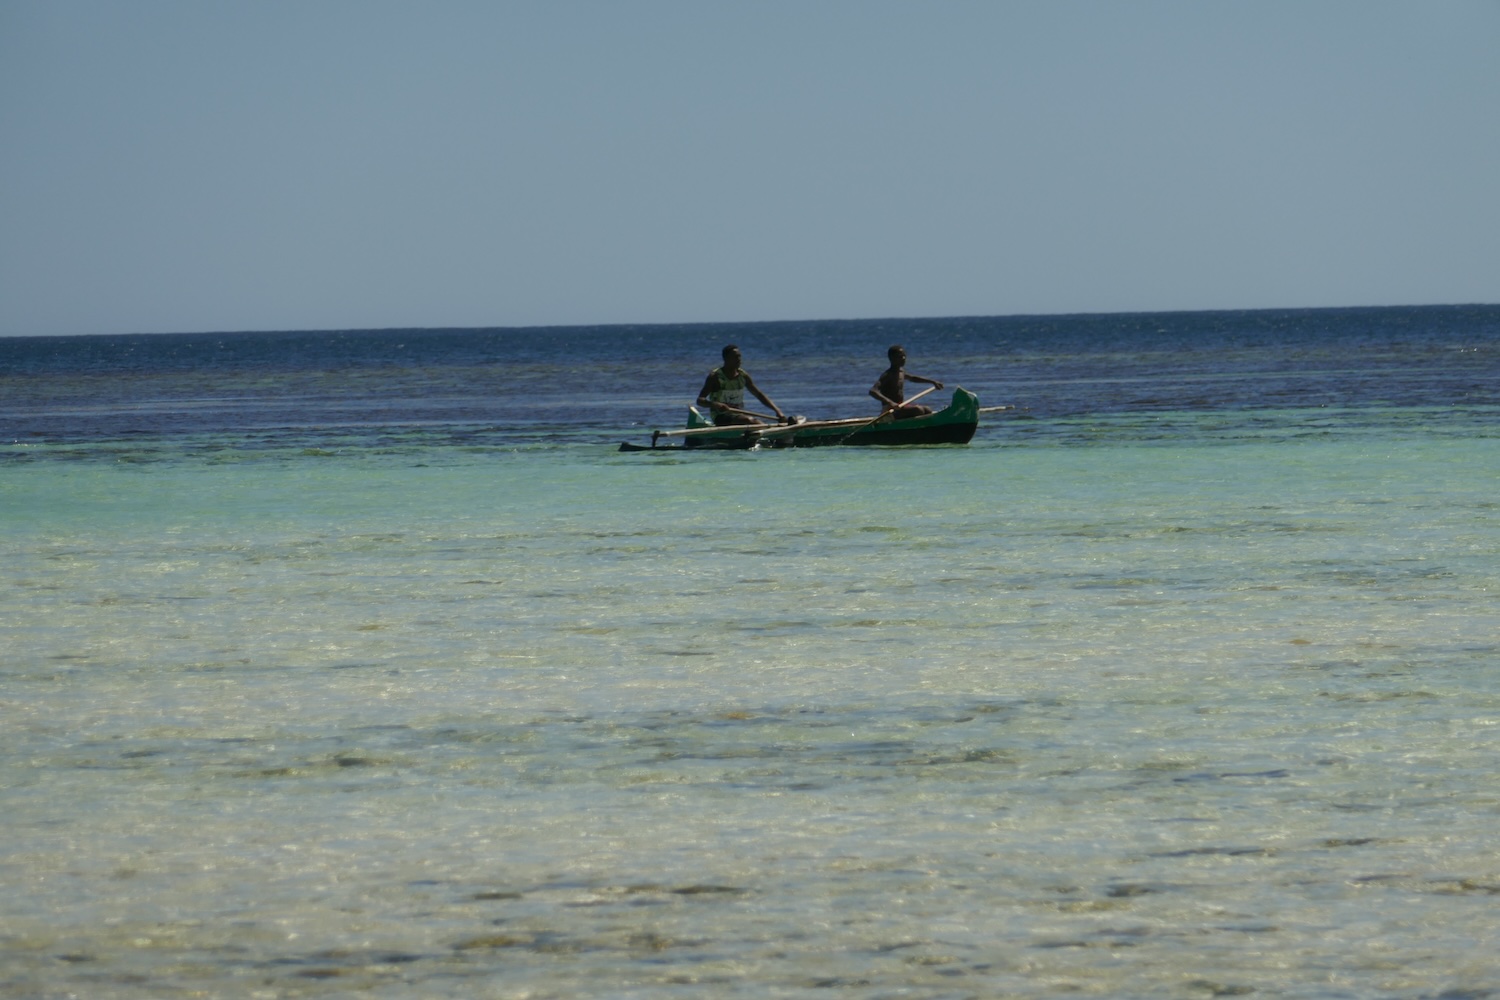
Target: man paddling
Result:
[890, 387]
[723, 393]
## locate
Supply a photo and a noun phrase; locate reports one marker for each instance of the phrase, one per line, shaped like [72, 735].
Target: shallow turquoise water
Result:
[1210, 717]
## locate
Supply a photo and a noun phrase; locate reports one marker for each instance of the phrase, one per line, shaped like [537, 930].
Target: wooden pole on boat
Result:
[859, 423]
[855, 424]
[748, 413]
[883, 413]
[715, 429]
[723, 428]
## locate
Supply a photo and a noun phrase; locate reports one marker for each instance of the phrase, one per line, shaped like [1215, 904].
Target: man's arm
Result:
[920, 378]
[710, 384]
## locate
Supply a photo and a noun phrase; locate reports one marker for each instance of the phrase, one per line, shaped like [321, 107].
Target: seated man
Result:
[890, 387]
[723, 393]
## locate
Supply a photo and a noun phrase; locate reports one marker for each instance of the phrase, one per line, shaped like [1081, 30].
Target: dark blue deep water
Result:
[505, 388]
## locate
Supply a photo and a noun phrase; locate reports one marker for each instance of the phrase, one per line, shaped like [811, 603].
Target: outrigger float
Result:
[954, 424]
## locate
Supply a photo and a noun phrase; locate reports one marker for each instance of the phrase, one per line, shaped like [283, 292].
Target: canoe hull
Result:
[954, 424]
[895, 434]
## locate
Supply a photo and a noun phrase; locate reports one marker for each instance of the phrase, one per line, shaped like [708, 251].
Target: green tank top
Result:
[731, 391]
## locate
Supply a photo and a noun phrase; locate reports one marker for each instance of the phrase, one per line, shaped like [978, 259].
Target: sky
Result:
[218, 165]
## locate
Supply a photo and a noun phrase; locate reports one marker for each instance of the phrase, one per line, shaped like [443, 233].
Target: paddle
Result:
[908, 402]
[860, 423]
[748, 413]
[800, 422]
[884, 413]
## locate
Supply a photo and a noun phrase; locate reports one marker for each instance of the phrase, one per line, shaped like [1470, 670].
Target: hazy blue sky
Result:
[186, 165]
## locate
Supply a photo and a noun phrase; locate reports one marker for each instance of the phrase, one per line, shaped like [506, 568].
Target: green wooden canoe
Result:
[954, 424]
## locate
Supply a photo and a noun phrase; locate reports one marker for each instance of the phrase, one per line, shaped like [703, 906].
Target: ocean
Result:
[363, 663]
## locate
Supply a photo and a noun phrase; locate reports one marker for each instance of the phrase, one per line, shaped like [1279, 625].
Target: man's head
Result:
[897, 354]
[731, 355]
